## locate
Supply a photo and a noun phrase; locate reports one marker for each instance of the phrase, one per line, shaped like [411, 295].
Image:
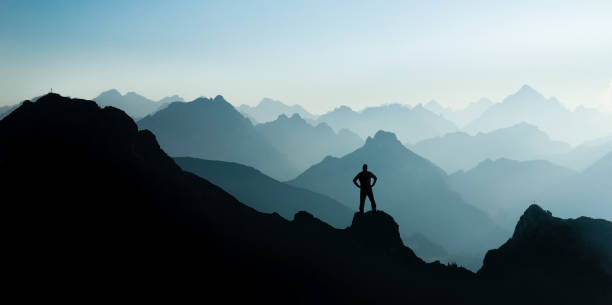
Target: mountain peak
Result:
[219, 98]
[533, 217]
[111, 92]
[527, 91]
[383, 137]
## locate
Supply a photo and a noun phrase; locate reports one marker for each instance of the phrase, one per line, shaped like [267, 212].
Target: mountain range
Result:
[305, 144]
[548, 114]
[134, 104]
[411, 188]
[461, 151]
[104, 204]
[410, 124]
[586, 193]
[504, 188]
[269, 110]
[463, 116]
[584, 155]
[212, 129]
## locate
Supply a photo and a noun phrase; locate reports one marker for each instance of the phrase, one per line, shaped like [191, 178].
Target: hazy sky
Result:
[318, 54]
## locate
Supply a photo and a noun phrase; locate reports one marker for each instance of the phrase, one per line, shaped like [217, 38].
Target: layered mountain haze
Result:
[410, 124]
[212, 129]
[585, 155]
[268, 110]
[463, 116]
[411, 188]
[586, 193]
[548, 114]
[265, 194]
[504, 188]
[134, 104]
[305, 144]
[460, 151]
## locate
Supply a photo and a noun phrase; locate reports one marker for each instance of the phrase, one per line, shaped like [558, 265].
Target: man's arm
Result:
[355, 181]
[375, 179]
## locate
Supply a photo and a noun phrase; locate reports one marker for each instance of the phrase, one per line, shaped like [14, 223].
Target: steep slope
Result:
[551, 258]
[503, 188]
[410, 124]
[135, 105]
[305, 144]
[460, 151]
[412, 189]
[265, 194]
[213, 129]
[104, 204]
[268, 110]
[528, 105]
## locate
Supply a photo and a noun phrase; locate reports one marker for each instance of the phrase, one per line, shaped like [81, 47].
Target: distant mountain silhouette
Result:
[213, 129]
[504, 188]
[460, 117]
[586, 193]
[104, 204]
[268, 110]
[265, 194]
[411, 188]
[585, 155]
[528, 105]
[549, 257]
[305, 144]
[135, 105]
[171, 99]
[460, 151]
[410, 124]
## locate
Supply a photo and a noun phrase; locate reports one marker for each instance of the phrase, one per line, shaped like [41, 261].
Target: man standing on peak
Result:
[364, 178]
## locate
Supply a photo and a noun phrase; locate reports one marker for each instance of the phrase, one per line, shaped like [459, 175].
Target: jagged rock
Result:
[376, 229]
[548, 255]
[533, 218]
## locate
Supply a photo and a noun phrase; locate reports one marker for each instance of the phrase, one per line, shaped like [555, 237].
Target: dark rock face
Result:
[552, 256]
[93, 204]
[376, 229]
[91, 198]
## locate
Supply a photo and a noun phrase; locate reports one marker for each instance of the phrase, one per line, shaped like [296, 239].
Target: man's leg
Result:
[372, 201]
[362, 196]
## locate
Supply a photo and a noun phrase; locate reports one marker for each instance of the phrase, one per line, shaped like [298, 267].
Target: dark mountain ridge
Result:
[560, 256]
[109, 206]
[96, 208]
[265, 194]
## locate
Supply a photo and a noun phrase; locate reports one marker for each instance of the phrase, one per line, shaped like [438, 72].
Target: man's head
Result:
[365, 167]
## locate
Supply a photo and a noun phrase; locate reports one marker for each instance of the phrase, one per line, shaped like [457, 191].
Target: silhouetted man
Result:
[364, 178]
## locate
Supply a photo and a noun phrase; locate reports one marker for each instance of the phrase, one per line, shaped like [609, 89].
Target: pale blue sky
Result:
[320, 54]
